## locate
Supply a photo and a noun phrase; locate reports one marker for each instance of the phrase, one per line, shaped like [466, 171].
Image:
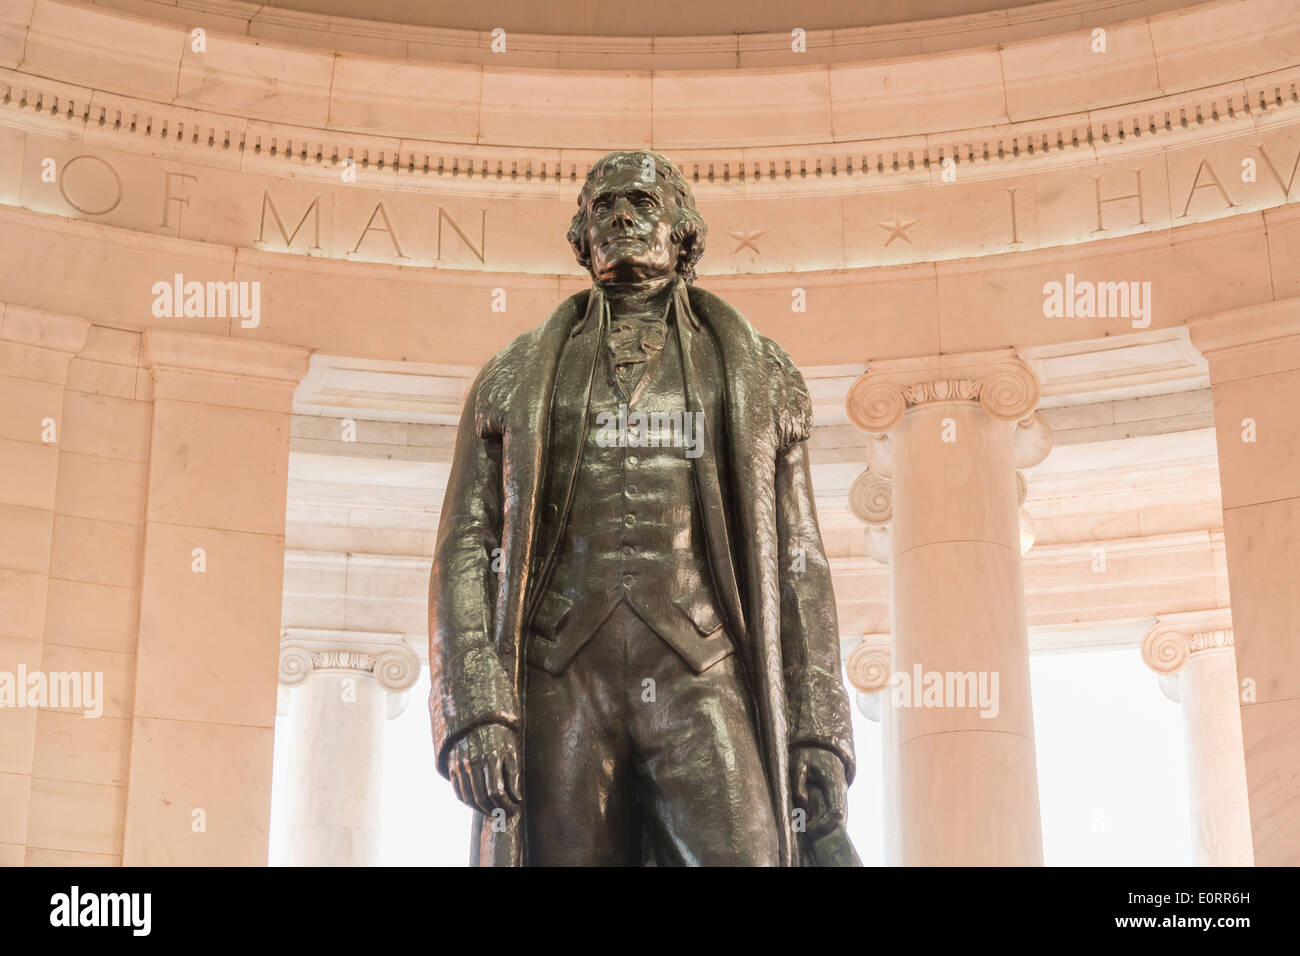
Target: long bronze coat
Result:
[755, 491]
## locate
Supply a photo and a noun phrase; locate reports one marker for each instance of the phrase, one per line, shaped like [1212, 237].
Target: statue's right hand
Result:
[484, 769]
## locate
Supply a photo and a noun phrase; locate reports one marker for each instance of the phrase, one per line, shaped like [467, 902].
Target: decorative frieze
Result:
[1005, 187]
[929, 97]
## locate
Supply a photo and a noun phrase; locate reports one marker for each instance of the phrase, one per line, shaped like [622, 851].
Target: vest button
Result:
[628, 580]
[632, 459]
[631, 489]
[630, 520]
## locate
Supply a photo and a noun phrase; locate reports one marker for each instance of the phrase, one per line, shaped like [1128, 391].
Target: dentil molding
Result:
[1186, 76]
[999, 148]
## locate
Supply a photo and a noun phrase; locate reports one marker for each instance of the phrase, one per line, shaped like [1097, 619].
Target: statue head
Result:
[636, 220]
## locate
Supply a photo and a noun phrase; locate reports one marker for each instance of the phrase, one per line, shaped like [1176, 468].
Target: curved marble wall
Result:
[952, 186]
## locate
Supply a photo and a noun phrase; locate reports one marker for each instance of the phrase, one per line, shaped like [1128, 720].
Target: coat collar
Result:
[597, 311]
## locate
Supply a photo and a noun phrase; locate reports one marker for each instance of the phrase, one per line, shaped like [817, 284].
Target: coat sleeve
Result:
[816, 702]
[469, 687]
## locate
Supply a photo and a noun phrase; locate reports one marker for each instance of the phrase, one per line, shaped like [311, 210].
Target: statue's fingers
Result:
[478, 786]
[455, 773]
[801, 785]
[835, 801]
[460, 777]
[514, 789]
[819, 817]
[494, 786]
[825, 806]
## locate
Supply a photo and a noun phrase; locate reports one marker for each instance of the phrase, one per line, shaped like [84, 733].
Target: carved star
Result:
[897, 229]
[745, 238]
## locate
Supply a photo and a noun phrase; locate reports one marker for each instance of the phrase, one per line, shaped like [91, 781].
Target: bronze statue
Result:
[633, 640]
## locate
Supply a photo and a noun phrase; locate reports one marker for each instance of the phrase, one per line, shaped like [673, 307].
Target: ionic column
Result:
[869, 672]
[345, 685]
[967, 780]
[1195, 649]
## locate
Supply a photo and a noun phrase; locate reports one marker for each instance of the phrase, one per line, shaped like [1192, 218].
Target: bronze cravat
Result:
[635, 346]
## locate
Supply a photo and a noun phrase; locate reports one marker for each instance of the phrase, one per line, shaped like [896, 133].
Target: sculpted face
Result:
[629, 228]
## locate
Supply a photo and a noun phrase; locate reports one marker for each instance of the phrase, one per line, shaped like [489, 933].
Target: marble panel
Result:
[200, 794]
[209, 641]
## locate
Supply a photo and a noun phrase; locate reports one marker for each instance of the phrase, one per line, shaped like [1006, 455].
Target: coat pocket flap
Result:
[702, 613]
[551, 613]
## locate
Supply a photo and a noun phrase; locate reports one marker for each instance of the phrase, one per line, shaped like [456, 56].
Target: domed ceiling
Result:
[693, 18]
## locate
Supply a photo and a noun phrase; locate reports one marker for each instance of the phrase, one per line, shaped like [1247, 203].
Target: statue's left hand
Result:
[819, 788]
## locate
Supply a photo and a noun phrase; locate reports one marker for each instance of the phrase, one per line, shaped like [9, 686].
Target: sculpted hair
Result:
[689, 230]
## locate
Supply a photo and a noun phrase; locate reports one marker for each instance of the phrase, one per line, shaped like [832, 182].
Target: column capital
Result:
[1251, 341]
[880, 456]
[1031, 442]
[46, 330]
[39, 345]
[871, 499]
[869, 664]
[386, 657]
[1174, 638]
[219, 370]
[1263, 324]
[1005, 386]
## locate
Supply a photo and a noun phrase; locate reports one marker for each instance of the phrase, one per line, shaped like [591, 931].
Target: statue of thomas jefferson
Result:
[632, 634]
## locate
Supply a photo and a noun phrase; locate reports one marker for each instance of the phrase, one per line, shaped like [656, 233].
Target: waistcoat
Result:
[634, 531]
